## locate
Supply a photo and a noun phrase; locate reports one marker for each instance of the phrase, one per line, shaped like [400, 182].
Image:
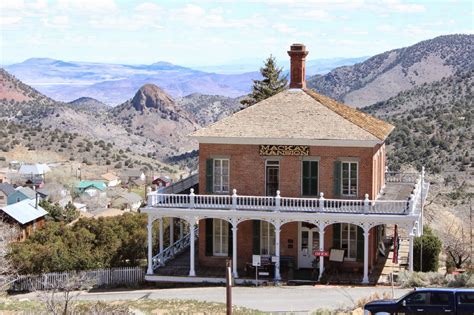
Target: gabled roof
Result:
[7, 189]
[109, 176]
[24, 211]
[27, 191]
[131, 173]
[130, 197]
[34, 169]
[299, 115]
[84, 184]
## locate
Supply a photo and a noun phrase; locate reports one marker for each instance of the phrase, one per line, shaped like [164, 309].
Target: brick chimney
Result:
[298, 54]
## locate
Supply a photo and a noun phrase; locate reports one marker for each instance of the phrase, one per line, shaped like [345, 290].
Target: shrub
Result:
[430, 245]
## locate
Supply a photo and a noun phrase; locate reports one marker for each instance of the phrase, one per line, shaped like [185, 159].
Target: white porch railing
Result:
[399, 177]
[285, 204]
[171, 251]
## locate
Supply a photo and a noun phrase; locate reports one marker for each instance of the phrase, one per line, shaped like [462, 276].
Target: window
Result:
[349, 240]
[439, 298]
[466, 298]
[310, 178]
[221, 176]
[272, 177]
[2, 197]
[267, 239]
[419, 298]
[349, 178]
[220, 237]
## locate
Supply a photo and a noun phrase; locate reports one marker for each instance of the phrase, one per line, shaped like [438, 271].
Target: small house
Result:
[162, 181]
[132, 176]
[5, 191]
[91, 188]
[111, 179]
[26, 214]
[20, 194]
[128, 201]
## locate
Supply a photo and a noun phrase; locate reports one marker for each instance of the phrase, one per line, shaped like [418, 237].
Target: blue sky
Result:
[219, 32]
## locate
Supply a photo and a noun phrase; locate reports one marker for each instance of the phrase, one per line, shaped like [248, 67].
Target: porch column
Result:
[234, 250]
[321, 248]
[161, 234]
[181, 228]
[365, 280]
[410, 251]
[192, 272]
[277, 251]
[171, 231]
[149, 270]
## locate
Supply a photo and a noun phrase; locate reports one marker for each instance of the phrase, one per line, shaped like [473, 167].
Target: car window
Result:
[439, 298]
[418, 298]
[466, 298]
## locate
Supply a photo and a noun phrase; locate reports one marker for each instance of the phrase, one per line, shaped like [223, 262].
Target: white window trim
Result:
[315, 159]
[357, 178]
[348, 241]
[220, 191]
[269, 245]
[265, 172]
[224, 228]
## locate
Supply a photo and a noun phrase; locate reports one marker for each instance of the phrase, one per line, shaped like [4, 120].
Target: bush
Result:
[434, 279]
[430, 245]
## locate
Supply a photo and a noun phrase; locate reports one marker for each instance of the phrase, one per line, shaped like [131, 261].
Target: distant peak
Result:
[152, 96]
[163, 63]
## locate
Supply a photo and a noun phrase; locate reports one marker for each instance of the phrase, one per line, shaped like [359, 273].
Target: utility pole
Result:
[228, 290]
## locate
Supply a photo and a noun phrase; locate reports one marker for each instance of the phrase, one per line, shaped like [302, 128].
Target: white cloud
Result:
[399, 7]
[10, 20]
[56, 21]
[87, 6]
[283, 28]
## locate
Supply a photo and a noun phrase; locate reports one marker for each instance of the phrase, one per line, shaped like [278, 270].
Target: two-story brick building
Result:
[291, 175]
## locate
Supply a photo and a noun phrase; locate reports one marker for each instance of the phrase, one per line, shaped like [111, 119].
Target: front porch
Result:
[320, 213]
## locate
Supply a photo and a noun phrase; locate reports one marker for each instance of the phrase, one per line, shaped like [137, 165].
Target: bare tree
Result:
[456, 241]
[60, 297]
[8, 272]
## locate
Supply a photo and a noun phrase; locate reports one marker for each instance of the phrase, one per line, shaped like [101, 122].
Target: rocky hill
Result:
[89, 104]
[385, 75]
[434, 125]
[207, 109]
[43, 120]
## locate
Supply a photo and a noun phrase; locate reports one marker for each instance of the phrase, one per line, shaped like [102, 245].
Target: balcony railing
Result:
[284, 204]
[411, 205]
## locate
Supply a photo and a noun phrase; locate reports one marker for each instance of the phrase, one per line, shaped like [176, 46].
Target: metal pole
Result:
[229, 287]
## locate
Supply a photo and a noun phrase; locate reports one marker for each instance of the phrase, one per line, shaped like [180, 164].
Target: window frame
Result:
[349, 178]
[221, 183]
[271, 162]
[317, 177]
[267, 242]
[347, 251]
[220, 240]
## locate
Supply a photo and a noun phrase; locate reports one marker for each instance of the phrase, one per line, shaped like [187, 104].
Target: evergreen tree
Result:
[271, 84]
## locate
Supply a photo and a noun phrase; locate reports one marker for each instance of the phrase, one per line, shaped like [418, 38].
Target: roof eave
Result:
[289, 141]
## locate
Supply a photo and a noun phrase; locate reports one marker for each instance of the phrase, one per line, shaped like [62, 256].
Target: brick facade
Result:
[247, 175]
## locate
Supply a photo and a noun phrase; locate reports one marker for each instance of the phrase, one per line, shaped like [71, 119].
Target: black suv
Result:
[426, 301]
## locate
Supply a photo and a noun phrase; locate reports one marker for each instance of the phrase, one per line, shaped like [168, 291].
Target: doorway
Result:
[308, 243]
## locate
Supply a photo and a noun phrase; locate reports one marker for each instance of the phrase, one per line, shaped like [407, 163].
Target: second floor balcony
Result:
[402, 194]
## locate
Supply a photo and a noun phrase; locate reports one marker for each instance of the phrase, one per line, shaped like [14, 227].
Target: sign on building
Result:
[281, 150]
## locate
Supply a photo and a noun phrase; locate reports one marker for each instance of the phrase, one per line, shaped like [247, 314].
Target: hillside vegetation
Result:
[434, 124]
[385, 75]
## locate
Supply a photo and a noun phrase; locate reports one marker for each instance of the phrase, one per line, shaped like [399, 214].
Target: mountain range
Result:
[155, 124]
[113, 84]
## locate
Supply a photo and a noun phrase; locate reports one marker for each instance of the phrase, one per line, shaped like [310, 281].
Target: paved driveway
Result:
[269, 299]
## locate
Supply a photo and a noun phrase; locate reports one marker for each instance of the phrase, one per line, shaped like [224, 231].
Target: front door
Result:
[308, 243]
[272, 177]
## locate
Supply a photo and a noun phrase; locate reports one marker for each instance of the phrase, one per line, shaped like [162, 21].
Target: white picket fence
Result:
[96, 278]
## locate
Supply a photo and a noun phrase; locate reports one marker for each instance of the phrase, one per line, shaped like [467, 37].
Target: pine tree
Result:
[271, 84]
